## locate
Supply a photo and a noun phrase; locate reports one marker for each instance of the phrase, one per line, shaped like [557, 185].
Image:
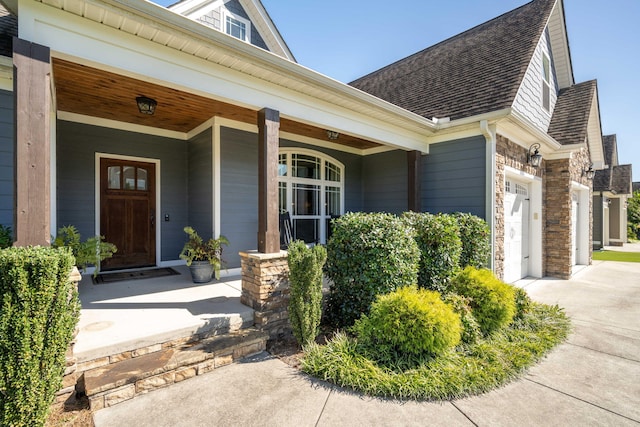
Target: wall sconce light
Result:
[146, 105]
[589, 173]
[332, 135]
[535, 158]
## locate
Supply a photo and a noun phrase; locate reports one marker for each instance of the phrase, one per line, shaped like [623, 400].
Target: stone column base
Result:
[265, 288]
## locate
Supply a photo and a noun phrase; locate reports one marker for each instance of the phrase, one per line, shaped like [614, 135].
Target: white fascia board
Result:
[203, 9]
[543, 138]
[594, 130]
[276, 43]
[93, 43]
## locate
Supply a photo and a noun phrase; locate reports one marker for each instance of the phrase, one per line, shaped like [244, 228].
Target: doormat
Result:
[134, 275]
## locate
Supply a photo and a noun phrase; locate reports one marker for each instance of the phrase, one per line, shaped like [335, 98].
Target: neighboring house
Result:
[611, 189]
[241, 132]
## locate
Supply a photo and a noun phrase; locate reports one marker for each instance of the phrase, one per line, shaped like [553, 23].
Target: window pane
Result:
[142, 179]
[305, 166]
[332, 196]
[546, 96]
[546, 69]
[236, 28]
[114, 177]
[282, 197]
[332, 172]
[129, 173]
[306, 199]
[282, 165]
[306, 229]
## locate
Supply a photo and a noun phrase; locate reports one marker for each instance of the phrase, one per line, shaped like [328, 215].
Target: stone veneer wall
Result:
[560, 174]
[265, 288]
[508, 153]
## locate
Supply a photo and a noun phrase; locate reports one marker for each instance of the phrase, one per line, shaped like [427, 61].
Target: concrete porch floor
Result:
[122, 316]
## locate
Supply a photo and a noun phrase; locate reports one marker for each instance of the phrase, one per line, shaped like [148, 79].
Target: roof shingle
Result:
[570, 120]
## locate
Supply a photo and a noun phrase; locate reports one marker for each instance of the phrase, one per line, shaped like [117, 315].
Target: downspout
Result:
[489, 132]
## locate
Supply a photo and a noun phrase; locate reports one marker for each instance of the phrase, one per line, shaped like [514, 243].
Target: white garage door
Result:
[516, 228]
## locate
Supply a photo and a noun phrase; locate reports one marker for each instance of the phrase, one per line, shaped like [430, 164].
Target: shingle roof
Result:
[610, 146]
[8, 29]
[636, 186]
[475, 72]
[602, 180]
[570, 120]
[621, 179]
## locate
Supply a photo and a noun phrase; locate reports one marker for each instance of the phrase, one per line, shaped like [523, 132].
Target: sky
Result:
[347, 39]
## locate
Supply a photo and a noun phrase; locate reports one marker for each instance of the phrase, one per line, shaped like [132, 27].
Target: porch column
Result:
[32, 103]
[269, 136]
[414, 159]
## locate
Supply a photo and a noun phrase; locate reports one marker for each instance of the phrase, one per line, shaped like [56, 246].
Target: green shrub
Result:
[305, 279]
[406, 326]
[367, 255]
[492, 301]
[522, 301]
[476, 241]
[90, 252]
[438, 237]
[470, 327]
[6, 237]
[38, 315]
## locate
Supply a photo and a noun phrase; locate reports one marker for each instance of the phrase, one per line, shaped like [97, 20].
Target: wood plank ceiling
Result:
[93, 92]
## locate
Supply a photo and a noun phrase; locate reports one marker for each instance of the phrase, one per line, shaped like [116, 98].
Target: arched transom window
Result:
[311, 189]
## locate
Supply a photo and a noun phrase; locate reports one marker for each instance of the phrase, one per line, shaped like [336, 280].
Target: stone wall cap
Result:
[260, 256]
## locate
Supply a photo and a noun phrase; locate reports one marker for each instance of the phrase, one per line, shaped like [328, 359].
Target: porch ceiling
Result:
[98, 93]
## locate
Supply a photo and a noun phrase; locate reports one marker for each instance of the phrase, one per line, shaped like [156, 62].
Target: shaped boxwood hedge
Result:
[368, 255]
[476, 240]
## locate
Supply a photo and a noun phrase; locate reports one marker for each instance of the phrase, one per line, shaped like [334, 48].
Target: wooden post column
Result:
[414, 159]
[32, 167]
[269, 136]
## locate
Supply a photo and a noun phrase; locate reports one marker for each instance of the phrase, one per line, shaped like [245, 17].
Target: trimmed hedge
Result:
[492, 301]
[406, 326]
[368, 255]
[438, 237]
[476, 240]
[305, 279]
[38, 314]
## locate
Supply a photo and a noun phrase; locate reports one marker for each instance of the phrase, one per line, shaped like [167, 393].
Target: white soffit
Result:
[560, 46]
[155, 23]
[594, 132]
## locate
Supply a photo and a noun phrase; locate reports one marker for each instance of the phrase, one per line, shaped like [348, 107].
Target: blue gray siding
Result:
[214, 17]
[598, 221]
[385, 182]
[239, 192]
[76, 148]
[454, 177]
[200, 184]
[6, 158]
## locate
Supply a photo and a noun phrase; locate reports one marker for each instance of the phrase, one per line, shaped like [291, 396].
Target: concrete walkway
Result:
[593, 379]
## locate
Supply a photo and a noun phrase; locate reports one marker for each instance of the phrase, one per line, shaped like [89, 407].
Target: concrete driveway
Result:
[592, 379]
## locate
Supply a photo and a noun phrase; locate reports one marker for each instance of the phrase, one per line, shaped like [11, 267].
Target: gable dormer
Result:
[246, 20]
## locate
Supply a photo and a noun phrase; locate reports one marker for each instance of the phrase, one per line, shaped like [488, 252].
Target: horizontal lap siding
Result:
[454, 176]
[201, 184]
[6, 158]
[385, 182]
[76, 148]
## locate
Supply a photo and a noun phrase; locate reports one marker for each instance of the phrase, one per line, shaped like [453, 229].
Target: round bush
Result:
[492, 301]
[438, 237]
[406, 326]
[476, 240]
[368, 255]
[470, 327]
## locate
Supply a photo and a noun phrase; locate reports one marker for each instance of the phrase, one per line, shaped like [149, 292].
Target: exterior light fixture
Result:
[589, 173]
[332, 135]
[535, 158]
[146, 105]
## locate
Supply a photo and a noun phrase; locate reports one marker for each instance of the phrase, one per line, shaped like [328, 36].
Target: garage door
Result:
[516, 228]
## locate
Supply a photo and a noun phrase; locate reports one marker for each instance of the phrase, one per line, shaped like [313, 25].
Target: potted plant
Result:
[90, 252]
[203, 258]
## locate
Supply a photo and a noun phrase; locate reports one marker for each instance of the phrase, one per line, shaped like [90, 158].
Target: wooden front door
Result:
[127, 212]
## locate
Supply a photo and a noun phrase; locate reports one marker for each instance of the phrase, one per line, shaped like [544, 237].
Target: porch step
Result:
[122, 380]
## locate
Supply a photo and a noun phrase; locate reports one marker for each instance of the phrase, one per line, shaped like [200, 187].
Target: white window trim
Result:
[223, 23]
[322, 182]
[546, 84]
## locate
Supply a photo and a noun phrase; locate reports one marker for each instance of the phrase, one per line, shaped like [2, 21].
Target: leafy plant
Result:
[38, 314]
[470, 327]
[6, 237]
[305, 279]
[523, 303]
[475, 236]
[90, 252]
[367, 255]
[438, 237]
[492, 301]
[406, 326]
[196, 249]
[633, 215]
